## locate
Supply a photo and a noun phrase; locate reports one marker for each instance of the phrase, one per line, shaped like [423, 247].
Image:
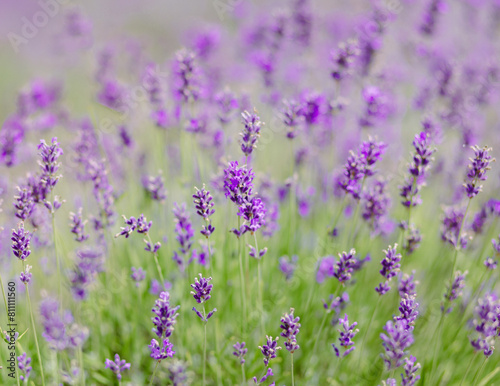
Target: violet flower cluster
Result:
[347, 333]
[290, 326]
[202, 289]
[250, 133]
[486, 324]
[240, 351]
[203, 202]
[390, 268]
[117, 366]
[477, 170]
[269, 349]
[164, 322]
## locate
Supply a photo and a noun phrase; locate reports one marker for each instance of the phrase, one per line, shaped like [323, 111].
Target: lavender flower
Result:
[138, 275]
[177, 372]
[376, 203]
[337, 305]
[49, 165]
[451, 229]
[417, 169]
[288, 265]
[202, 289]
[155, 187]
[77, 225]
[240, 351]
[345, 266]
[486, 324]
[371, 151]
[490, 264]
[141, 225]
[203, 202]
[353, 175]
[117, 366]
[396, 342]
[186, 77]
[407, 284]
[251, 132]
[454, 290]
[227, 103]
[292, 117]
[343, 59]
[269, 349]
[412, 237]
[163, 351]
[89, 264]
[166, 316]
[24, 203]
[409, 310]
[290, 326]
[183, 228]
[477, 170]
[409, 378]
[25, 276]
[253, 212]
[238, 182]
[390, 267]
[24, 364]
[269, 373]
[434, 7]
[21, 242]
[346, 335]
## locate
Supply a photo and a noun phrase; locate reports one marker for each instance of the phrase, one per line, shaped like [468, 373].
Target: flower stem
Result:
[242, 280]
[368, 329]
[259, 285]
[468, 369]
[244, 378]
[36, 338]
[204, 347]
[160, 273]
[293, 379]
[59, 275]
[479, 371]
[154, 373]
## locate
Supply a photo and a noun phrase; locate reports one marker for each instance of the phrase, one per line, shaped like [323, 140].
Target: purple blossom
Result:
[77, 225]
[11, 136]
[202, 289]
[451, 229]
[24, 364]
[337, 305]
[21, 242]
[269, 349]
[290, 326]
[288, 265]
[429, 18]
[409, 378]
[165, 316]
[454, 290]
[325, 268]
[141, 225]
[24, 203]
[417, 169]
[226, 103]
[177, 372]
[250, 133]
[347, 333]
[184, 233]
[240, 351]
[25, 276]
[163, 351]
[486, 324]
[407, 285]
[49, 165]
[238, 183]
[138, 275]
[409, 310]
[376, 106]
[376, 203]
[412, 237]
[89, 263]
[477, 170]
[395, 342]
[155, 187]
[253, 212]
[186, 81]
[343, 59]
[203, 202]
[344, 266]
[390, 267]
[117, 366]
[490, 264]
[292, 117]
[269, 373]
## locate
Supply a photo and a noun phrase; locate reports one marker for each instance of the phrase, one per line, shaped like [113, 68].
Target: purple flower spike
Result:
[21, 242]
[24, 203]
[166, 316]
[24, 364]
[204, 318]
[396, 342]
[250, 133]
[117, 366]
[269, 349]
[256, 254]
[186, 77]
[269, 373]
[407, 285]
[50, 166]
[288, 265]
[477, 170]
[292, 118]
[138, 275]
[345, 266]
[155, 187]
[77, 225]
[455, 289]
[390, 267]
[290, 326]
[253, 212]
[409, 378]
[409, 310]
[490, 264]
[202, 289]
[347, 333]
[240, 351]
[343, 59]
[486, 324]
[25, 276]
[238, 183]
[371, 151]
[161, 352]
[203, 202]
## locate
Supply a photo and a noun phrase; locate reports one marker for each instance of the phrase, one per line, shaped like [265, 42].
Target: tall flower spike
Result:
[24, 364]
[49, 155]
[390, 267]
[77, 225]
[454, 290]
[343, 59]
[396, 342]
[203, 202]
[250, 133]
[290, 326]
[269, 349]
[186, 76]
[238, 182]
[117, 366]
[24, 203]
[409, 378]
[240, 351]
[21, 242]
[155, 187]
[345, 266]
[166, 316]
[292, 118]
[409, 310]
[202, 289]
[477, 170]
[25, 276]
[347, 333]
[486, 324]
[253, 213]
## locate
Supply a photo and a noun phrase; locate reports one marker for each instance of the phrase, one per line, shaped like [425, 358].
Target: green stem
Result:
[457, 246]
[243, 374]
[319, 333]
[34, 333]
[468, 369]
[368, 329]
[58, 264]
[355, 218]
[293, 379]
[242, 280]
[204, 347]
[479, 371]
[154, 373]
[436, 336]
[259, 285]
[160, 273]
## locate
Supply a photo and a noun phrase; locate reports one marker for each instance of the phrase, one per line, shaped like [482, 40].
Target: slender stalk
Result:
[436, 336]
[34, 333]
[319, 333]
[468, 369]
[59, 274]
[204, 347]
[479, 371]
[368, 329]
[259, 285]
[355, 217]
[293, 379]
[4, 298]
[243, 374]
[457, 246]
[242, 280]
[160, 273]
[154, 373]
